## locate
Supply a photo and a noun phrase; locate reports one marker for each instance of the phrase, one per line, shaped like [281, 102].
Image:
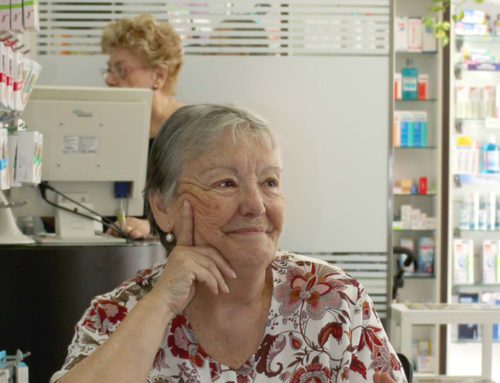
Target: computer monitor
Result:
[92, 138]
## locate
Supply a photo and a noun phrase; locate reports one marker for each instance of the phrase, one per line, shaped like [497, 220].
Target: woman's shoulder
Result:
[138, 285]
[289, 259]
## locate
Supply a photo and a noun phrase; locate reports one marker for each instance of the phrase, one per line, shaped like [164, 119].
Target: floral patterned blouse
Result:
[322, 327]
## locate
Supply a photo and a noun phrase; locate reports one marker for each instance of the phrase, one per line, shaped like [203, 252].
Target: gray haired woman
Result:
[227, 305]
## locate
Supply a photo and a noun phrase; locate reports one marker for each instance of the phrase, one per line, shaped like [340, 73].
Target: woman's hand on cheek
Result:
[189, 267]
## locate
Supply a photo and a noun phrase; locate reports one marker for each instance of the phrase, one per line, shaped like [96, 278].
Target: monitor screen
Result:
[92, 138]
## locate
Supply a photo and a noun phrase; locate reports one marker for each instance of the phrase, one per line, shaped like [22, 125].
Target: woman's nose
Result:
[252, 202]
[110, 80]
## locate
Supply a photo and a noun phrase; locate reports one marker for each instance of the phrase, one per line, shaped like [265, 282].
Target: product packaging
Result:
[409, 81]
[396, 132]
[8, 100]
[426, 246]
[29, 156]
[4, 160]
[423, 81]
[16, 15]
[490, 210]
[463, 261]
[5, 15]
[31, 71]
[429, 41]
[415, 34]
[489, 259]
[419, 128]
[13, 160]
[30, 15]
[406, 216]
[17, 84]
[475, 210]
[422, 185]
[397, 86]
[401, 34]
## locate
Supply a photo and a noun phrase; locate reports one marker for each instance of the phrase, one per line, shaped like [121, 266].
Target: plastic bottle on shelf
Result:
[409, 81]
[491, 156]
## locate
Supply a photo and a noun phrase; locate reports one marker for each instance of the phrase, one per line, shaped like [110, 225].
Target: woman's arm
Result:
[128, 354]
[134, 228]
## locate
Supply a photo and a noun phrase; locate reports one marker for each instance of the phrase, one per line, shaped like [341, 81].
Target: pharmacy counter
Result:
[44, 290]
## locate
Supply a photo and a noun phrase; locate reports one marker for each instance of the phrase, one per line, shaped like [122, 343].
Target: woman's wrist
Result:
[157, 303]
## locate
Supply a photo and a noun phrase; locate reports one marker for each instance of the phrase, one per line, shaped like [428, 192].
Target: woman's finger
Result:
[212, 267]
[185, 233]
[221, 263]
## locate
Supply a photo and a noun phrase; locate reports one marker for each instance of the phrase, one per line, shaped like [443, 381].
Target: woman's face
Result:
[125, 69]
[234, 189]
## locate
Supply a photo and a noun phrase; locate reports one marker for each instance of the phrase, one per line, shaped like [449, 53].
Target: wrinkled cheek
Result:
[208, 211]
[278, 215]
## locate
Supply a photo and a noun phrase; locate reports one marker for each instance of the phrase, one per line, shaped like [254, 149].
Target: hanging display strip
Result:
[298, 28]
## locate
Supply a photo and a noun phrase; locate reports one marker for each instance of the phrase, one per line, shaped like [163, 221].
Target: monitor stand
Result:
[74, 229]
[9, 232]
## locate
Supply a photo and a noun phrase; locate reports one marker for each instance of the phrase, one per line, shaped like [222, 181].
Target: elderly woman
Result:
[227, 305]
[144, 54]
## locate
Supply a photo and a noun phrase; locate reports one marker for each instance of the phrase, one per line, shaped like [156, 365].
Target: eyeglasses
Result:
[118, 72]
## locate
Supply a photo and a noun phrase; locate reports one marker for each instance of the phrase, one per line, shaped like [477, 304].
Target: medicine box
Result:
[30, 15]
[29, 156]
[463, 261]
[415, 34]
[16, 15]
[489, 260]
[426, 247]
[4, 159]
[4, 15]
[13, 160]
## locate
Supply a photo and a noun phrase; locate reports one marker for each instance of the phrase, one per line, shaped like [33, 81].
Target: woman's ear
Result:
[161, 212]
[160, 76]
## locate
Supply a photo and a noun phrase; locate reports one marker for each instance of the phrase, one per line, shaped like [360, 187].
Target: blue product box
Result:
[417, 133]
[404, 133]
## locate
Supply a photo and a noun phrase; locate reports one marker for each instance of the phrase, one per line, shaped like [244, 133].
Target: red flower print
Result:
[331, 329]
[270, 347]
[313, 288]
[366, 310]
[108, 312]
[295, 342]
[214, 370]
[111, 311]
[183, 343]
[369, 338]
[358, 366]
[313, 373]
[141, 276]
[177, 340]
[159, 361]
[383, 361]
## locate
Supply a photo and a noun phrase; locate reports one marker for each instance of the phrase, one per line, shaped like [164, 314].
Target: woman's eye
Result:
[226, 184]
[272, 182]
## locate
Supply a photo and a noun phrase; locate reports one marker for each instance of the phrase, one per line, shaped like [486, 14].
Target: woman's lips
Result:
[249, 230]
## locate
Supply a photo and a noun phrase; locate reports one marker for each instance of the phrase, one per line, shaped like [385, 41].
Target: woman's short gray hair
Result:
[187, 134]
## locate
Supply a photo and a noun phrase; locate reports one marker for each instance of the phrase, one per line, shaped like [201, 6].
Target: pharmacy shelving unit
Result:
[471, 124]
[415, 162]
